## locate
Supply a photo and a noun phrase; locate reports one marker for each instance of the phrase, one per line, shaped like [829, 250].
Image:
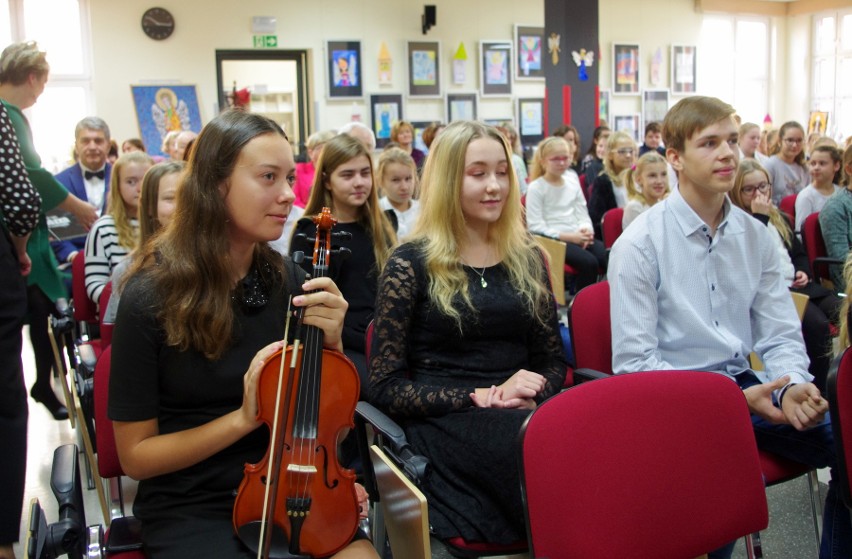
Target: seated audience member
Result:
[183, 143]
[402, 133]
[786, 167]
[360, 132]
[592, 163]
[205, 305]
[647, 183]
[431, 132]
[518, 162]
[608, 190]
[89, 178]
[824, 164]
[168, 147]
[835, 220]
[305, 171]
[556, 208]
[132, 144]
[695, 284]
[396, 177]
[653, 140]
[344, 182]
[752, 194]
[749, 141]
[466, 338]
[571, 135]
[115, 234]
[156, 206]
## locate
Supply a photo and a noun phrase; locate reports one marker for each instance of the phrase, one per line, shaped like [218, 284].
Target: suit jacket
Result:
[72, 179]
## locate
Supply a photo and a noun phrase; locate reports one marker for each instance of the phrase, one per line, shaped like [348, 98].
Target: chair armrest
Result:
[585, 375]
[394, 442]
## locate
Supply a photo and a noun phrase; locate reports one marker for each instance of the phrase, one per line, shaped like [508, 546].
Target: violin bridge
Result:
[300, 469]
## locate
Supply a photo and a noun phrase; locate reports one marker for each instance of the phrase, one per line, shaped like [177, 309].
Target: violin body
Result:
[315, 504]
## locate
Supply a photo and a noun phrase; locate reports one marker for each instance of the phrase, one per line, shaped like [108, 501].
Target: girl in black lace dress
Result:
[466, 340]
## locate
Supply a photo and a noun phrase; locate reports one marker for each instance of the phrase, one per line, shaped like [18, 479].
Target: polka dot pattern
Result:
[19, 201]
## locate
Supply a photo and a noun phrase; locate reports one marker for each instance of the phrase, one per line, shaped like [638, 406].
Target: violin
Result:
[298, 500]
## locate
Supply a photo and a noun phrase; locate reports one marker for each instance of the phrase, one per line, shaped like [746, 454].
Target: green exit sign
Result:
[265, 41]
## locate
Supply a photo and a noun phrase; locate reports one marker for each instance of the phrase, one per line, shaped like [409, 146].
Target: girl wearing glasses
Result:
[752, 193]
[608, 190]
[786, 167]
[556, 208]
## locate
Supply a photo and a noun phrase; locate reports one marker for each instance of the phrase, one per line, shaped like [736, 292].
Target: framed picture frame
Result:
[655, 105]
[818, 123]
[625, 68]
[161, 109]
[684, 64]
[495, 68]
[461, 106]
[385, 110]
[424, 68]
[530, 121]
[630, 123]
[529, 49]
[604, 104]
[343, 61]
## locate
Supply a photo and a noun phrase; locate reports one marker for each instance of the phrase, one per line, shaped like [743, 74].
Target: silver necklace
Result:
[481, 274]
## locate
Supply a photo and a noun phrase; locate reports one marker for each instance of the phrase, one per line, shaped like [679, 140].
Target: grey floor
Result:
[790, 534]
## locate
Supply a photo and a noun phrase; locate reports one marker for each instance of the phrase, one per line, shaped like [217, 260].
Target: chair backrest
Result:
[85, 309]
[839, 386]
[788, 206]
[812, 238]
[103, 303]
[611, 226]
[108, 464]
[589, 321]
[556, 253]
[656, 451]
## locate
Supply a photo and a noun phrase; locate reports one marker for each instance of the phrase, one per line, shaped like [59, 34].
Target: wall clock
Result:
[158, 23]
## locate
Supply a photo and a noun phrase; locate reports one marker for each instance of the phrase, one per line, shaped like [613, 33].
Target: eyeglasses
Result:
[625, 151]
[558, 159]
[793, 141]
[762, 187]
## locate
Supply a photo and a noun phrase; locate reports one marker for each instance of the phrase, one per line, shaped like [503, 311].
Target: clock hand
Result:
[154, 21]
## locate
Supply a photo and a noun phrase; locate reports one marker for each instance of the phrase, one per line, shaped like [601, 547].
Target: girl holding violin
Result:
[203, 311]
[466, 340]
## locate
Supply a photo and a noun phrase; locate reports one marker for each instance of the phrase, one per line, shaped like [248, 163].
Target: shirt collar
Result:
[690, 222]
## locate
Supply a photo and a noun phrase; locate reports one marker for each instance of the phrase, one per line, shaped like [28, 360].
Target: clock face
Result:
[158, 23]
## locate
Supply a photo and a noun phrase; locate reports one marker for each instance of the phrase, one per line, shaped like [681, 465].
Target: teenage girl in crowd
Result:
[572, 136]
[204, 307]
[344, 183]
[647, 183]
[592, 163]
[156, 206]
[752, 192]
[608, 190]
[115, 234]
[396, 175]
[402, 132]
[556, 208]
[749, 140]
[786, 167]
[823, 166]
[305, 171]
[466, 338]
[835, 219]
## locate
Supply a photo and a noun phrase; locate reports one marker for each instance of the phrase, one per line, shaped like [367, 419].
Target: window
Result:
[832, 70]
[68, 96]
[733, 63]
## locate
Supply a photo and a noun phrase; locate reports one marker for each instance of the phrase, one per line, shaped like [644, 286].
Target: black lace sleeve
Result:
[391, 387]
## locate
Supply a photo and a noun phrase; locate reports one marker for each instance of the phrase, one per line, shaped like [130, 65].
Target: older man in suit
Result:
[89, 178]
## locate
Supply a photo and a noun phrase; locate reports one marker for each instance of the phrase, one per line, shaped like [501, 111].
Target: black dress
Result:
[423, 371]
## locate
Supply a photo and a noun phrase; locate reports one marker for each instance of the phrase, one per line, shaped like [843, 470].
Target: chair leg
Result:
[816, 502]
[83, 433]
[62, 371]
[754, 549]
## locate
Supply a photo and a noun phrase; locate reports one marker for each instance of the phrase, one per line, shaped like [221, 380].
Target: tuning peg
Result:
[298, 257]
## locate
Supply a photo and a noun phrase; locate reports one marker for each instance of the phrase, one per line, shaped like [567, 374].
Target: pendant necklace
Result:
[481, 274]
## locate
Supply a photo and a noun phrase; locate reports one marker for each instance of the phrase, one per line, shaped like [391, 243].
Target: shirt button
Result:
[711, 250]
[704, 229]
[736, 355]
[717, 323]
[713, 287]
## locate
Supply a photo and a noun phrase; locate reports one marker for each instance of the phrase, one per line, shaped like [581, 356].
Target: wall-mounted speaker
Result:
[429, 17]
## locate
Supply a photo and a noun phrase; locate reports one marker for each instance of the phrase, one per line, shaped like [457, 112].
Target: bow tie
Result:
[92, 174]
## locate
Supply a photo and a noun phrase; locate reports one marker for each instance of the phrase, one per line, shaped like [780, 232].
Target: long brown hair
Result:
[188, 264]
[336, 152]
[150, 196]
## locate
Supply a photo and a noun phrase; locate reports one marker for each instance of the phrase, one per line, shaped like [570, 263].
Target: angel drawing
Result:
[583, 60]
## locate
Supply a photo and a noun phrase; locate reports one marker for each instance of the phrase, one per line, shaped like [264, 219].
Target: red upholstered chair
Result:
[656, 450]
[840, 403]
[583, 187]
[815, 247]
[105, 328]
[788, 207]
[611, 226]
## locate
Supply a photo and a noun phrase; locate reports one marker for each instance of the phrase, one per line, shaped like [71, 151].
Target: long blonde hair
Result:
[396, 156]
[441, 226]
[777, 220]
[336, 152]
[634, 192]
[128, 235]
[545, 148]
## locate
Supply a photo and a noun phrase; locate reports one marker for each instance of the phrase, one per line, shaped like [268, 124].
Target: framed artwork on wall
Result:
[529, 46]
[625, 69]
[424, 69]
[419, 127]
[344, 69]
[385, 110]
[530, 121]
[818, 123]
[161, 109]
[684, 69]
[655, 105]
[604, 99]
[495, 68]
[461, 106]
[632, 124]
